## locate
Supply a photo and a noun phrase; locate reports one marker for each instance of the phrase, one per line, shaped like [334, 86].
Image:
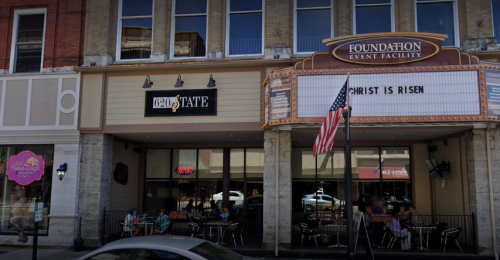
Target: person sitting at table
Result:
[399, 232]
[129, 224]
[190, 209]
[162, 222]
[225, 214]
[414, 216]
[214, 206]
[201, 209]
[403, 215]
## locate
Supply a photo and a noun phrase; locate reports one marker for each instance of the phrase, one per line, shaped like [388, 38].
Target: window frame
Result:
[393, 14]
[493, 19]
[456, 22]
[228, 24]
[119, 27]
[295, 9]
[172, 32]
[15, 30]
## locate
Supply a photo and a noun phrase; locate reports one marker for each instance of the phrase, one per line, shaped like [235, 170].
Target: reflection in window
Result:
[255, 162]
[245, 27]
[496, 18]
[210, 163]
[373, 16]
[396, 163]
[334, 168]
[16, 210]
[438, 17]
[190, 21]
[314, 22]
[29, 43]
[157, 195]
[303, 163]
[158, 163]
[365, 163]
[236, 163]
[136, 29]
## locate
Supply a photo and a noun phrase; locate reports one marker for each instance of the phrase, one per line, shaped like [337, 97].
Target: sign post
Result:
[38, 218]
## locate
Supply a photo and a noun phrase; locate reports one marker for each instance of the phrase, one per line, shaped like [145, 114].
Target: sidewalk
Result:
[17, 253]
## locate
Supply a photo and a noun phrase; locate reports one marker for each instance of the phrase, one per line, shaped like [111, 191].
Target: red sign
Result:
[395, 173]
[185, 169]
[25, 168]
[385, 50]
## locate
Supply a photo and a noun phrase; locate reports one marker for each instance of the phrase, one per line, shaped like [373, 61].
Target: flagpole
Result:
[348, 177]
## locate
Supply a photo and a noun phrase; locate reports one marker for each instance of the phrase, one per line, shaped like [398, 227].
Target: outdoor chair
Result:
[452, 233]
[395, 237]
[124, 233]
[306, 230]
[234, 229]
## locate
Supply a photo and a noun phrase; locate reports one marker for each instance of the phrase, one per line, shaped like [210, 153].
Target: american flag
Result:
[324, 141]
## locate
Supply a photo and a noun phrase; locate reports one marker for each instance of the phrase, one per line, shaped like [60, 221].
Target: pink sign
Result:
[25, 168]
[395, 173]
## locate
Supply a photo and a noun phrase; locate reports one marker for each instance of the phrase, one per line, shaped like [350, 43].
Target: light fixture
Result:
[61, 172]
[179, 82]
[148, 83]
[150, 195]
[211, 82]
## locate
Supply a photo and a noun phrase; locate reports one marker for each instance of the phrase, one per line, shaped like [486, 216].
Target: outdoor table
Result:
[219, 224]
[338, 245]
[422, 248]
[145, 224]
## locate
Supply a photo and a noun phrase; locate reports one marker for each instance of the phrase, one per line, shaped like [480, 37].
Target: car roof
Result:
[179, 242]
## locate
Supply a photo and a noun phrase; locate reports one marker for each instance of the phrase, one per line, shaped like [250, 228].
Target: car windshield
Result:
[213, 252]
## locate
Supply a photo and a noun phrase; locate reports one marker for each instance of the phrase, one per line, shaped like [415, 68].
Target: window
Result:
[123, 254]
[156, 254]
[28, 36]
[212, 251]
[439, 17]
[244, 30]
[190, 26]
[135, 29]
[495, 4]
[313, 23]
[17, 208]
[373, 16]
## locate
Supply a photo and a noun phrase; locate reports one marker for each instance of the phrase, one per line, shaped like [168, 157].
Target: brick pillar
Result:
[470, 12]
[216, 29]
[285, 189]
[479, 185]
[278, 17]
[405, 16]
[95, 181]
[343, 17]
[100, 32]
[161, 30]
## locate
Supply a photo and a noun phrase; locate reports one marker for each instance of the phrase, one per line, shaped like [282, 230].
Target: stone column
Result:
[479, 185]
[161, 30]
[95, 181]
[100, 32]
[278, 28]
[285, 189]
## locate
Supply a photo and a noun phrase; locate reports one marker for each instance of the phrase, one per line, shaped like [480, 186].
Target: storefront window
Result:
[17, 203]
[210, 163]
[438, 16]
[157, 195]
[184, 164]
[334, 167]
[158, 163]
[236, 163]
[395, 163]
[365, 163]
[303, 163]
[255, 162]
[182, 192]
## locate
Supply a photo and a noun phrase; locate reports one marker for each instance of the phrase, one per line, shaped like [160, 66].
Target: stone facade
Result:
[96, 171]
[285, 189]
[479, 184]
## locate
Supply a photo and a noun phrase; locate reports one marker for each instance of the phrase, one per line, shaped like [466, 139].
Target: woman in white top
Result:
[129, 223]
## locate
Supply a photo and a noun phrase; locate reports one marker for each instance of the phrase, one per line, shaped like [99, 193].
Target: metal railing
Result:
[250, 227]
[189, 48]
[311, 43]
[245, 46]
[327, 229]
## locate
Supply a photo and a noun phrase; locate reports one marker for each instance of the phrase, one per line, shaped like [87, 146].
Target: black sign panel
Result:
[189, 102]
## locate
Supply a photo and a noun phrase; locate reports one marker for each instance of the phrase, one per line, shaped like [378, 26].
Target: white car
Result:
[235, 196]
[162, 247]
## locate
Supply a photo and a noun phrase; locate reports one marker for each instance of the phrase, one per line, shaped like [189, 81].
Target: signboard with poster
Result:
[280, 92]
[493, 91]
[25, 168]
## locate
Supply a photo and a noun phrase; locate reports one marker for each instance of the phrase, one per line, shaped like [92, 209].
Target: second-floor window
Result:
[373, 16]
[189, 25]
[439, 16]
[244, 27]
[27, 40]
[135, 29]
[495, 4]
[313, 23]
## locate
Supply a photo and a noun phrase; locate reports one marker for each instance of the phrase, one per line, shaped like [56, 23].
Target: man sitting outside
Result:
[163, 221]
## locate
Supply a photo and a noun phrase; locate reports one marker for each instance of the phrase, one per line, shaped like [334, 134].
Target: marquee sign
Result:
[385, 50]
[196, 102]
[25, 168]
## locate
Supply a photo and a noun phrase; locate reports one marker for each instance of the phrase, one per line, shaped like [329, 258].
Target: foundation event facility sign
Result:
[25, 168]
[195, 102]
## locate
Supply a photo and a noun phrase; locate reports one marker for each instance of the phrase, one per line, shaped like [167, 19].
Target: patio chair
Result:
[201, 226]
[124, 233]
[395, 236]
[307, 230]
[452, 233]
[234, 229]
